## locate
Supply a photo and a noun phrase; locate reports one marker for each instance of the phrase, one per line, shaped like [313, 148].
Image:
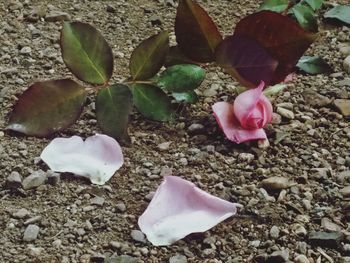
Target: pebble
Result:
[246, 157]
[274, 232]
[315, 99]
[164, 146]
[55, 16]
[343, 105]
[138, 236]
[121, 207]
[32, 220]
[178, 259]
[21, 213]
[326, 239]
[31, 233]
[25, 50]
[196, 128]
[97, 200]
[301, 259]
[346, 64]
[328, 225]
[14, 180]
[285, 113]
[344, 48]
[275, 183]
[34, 180]
[345, 192]
[124, 259]
[110, 9]
[54, 178]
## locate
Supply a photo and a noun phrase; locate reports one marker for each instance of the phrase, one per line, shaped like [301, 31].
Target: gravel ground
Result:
[303, 219]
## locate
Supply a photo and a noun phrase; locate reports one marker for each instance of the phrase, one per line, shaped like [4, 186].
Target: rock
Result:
[299, 230]
[279, 256]
[155, 20]
[25, 50]
[285, 113]
[55, 16]
[212, 91]
[35, 251]
[345, 192]
[275, 183]
[343, 176]
[301, 259]
[121, 207]
[32, 220]
[246, 157]
[54, 178]
[178, 259]
[34, 180]
[31, 233]
[328, 225]
[263, 144]
[13, 181]
[111, 9]
[346, 64]
[21, 213]
[274, 232]
[196, 128]
[276, 118]
[138, 236]
[97, 200]
[344, 48]
[164, 146]
[314, 99]
[343, 106]
[326, 239]
[123, 259]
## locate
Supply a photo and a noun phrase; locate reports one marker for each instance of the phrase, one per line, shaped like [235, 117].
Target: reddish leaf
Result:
[149, 56]
[283, 38]
[196, 33]
[246, 60]
[47, 107]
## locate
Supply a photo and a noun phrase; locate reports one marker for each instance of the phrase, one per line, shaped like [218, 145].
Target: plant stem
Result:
[291, 3]
[138, 82]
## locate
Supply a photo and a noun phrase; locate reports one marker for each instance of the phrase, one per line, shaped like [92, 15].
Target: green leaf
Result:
[86, 53]
[176, 57]
[181, 78]
[113, 107]
[47, 107]
[196, 33]
[152, 102]
[340, 12]
[313, 65]
[188, 97]
[273, 90]
[315, 4]
[149, 56]
[274, 5]
[305, 16]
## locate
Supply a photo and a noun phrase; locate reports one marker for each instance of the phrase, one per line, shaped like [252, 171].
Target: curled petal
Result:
[178, 209]
[98, 158]
[224, 114]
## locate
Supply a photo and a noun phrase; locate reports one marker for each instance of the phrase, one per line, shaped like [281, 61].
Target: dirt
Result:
[312, 150]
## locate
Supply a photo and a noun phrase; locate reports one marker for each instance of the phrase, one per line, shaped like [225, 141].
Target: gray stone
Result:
[14, 181]
[274, 232]
[34, 180]
[178, 259]
[97, 200]
[111, 9]
[343, 106]
[54, 178]
[55, 16]
[123, 259]
[196, 128]
[138, 236]
[326, 239]
[21, 213]
[345, 192]
[279, 256]
[328, 225]
[31, 233]
[301, 259]
[121, 207]
[275, 183]
[346, 64]
[25, 50]
[164, 146]
[285, 113]
[344, 48]
[32, 220]
[315, 99]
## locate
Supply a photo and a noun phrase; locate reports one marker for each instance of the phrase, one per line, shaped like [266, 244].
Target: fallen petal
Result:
[178, 209]
[98, 158]
[224, 114]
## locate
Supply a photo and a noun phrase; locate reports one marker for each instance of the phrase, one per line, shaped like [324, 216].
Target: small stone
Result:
[121, 207]
[343, 106]
[285, 113]
[196, 128]
[263, 144]
[123, 259]
[274, 232]
[138, 236]
[275, 183]
[35, 251]
[299, 230]
[346, 64]
[301, 259]
[115, 244]
[25, 51]
[34, 180]
[279, 256]
[155, 20]
[326, 239]
[164, 146]
[32, 220]
[178, 259]
[54, 178]
[345, 192]
[344, 48]
[315, 99]
[246, 157]
[276, 118]
[21, 213]
[13, 181]
[31, 233]
[57, 243]
[110, 9]
[183, 161]
[328, 225]
[97, 200]
[55, 16]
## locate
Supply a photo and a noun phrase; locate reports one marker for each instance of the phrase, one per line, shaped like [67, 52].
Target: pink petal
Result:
[178, 209]
[98, 158]
[223, 112]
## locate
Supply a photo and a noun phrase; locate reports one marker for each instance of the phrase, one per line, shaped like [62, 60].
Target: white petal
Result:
[178, 209]
[98, 158]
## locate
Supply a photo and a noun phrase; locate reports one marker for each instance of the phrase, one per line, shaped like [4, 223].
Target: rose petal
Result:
[178, 209]
[98, 158]
[246, 102]
[223, 112]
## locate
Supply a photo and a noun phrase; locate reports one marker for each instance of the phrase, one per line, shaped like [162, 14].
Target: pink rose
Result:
[245, 119]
